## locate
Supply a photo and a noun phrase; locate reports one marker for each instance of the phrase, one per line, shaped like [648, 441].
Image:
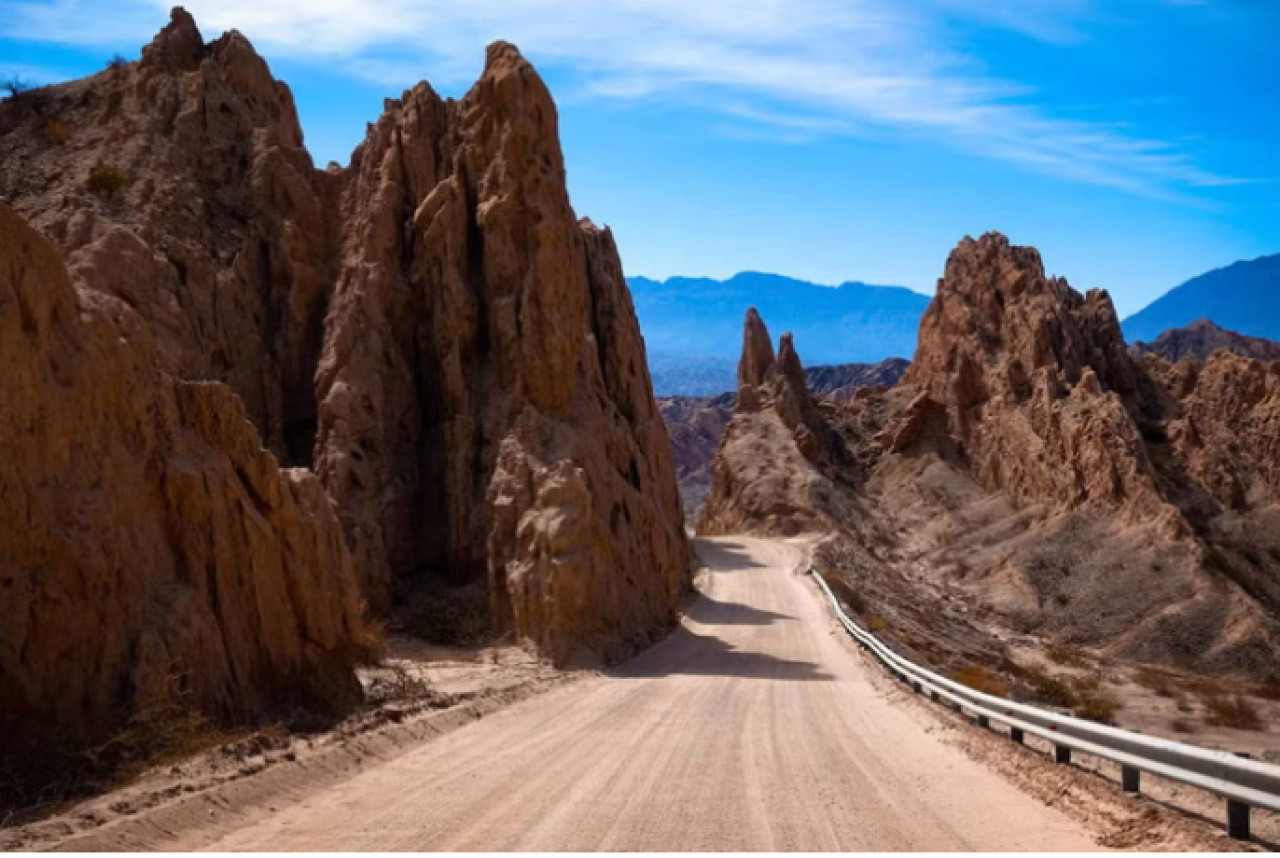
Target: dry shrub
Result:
[979, 678]
[1237, 712]
[450, 617]
[1183, 725]
[393, 683]
[1096, 706]
[1267, 690]
[106, 180]
[165, 725]
[852, 599]
[1068, 655]
[1156, 680]
[57, 131]
[1042, 688]
[876, 623]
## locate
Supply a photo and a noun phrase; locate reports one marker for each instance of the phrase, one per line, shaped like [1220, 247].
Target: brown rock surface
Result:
[148, 545]
[486, 409]
[431, 327]
[1202, 338]
[764, 478]
[1029, 474]
[220, 234]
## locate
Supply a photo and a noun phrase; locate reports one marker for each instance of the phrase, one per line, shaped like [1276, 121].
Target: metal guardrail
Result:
[1244, 783]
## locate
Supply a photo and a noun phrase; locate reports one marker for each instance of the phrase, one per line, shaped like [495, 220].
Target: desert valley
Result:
[373, 507]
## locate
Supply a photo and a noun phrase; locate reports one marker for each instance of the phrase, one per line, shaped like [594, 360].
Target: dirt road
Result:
[752, 727]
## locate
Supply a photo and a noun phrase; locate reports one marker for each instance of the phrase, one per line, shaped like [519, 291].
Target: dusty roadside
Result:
[1165, 817]
[419, 694]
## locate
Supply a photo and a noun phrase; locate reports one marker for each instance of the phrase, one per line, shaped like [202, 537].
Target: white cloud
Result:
[816, 66]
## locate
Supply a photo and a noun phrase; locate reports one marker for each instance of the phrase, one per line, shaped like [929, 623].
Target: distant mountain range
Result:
[693, 326]
[1244, 297]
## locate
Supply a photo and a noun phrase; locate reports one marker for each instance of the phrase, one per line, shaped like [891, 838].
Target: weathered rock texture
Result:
[430, 328]
[1027, 466]
[697, 423]
[149, 546]
[486, 409]
[843, 381]
[220, 232]
[765, 476]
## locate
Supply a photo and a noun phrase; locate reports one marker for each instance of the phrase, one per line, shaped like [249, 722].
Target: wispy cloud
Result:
[806, 67]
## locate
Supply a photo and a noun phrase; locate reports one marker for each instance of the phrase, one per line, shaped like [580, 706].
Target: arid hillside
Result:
[444, 353]
[1201, 339]
[696, 423]
[1028, 480]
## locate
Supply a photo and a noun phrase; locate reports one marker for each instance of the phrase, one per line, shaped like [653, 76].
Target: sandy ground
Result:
[754, 726]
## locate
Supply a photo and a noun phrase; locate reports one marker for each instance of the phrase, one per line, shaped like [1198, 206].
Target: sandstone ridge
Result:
[155, 561]
[430, 329]
[1028, 467]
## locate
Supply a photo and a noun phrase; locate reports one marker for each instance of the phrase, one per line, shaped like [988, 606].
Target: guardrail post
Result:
[933, 695]
[1237, 820]
[984, 722]
[1061, 754]
[1130, 779]
[1015, 733]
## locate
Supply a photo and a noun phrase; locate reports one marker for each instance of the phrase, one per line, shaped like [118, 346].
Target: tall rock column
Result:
[486, 409]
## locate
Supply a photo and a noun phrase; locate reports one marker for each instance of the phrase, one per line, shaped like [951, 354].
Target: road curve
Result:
[752, 727]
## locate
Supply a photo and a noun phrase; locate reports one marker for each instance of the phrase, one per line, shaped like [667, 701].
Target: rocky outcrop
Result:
[179, 184]
[1039, 390]
[1202, 338]
[486, 411]
[431, 329]
[152, 554]
[1028, 468]
[764, 478]
[843, 381]
[696, 424]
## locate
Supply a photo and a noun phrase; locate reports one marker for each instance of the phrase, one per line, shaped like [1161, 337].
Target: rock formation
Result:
[843, 381]
[431, 328]
[149, 547]
[764, 477]
[1202, 338]
[1028, 467]
[179, 185]
[486, 411]
[697, 423]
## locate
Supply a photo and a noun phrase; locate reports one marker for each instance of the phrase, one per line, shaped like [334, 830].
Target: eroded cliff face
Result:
[431, 329]
[1029, 468]
[179, 184]
[486, 409]
[765, 477]
[151, 552]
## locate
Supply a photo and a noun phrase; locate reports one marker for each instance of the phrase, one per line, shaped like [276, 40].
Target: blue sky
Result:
[1132, 141]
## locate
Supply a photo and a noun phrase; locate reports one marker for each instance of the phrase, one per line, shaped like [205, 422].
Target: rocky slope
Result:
[431, 329]
[766, 476]
[842, 381]
[179, 184]
[486, 414]
[154, 560]
[1202, 338]
[695, 424]
[1030, 475]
